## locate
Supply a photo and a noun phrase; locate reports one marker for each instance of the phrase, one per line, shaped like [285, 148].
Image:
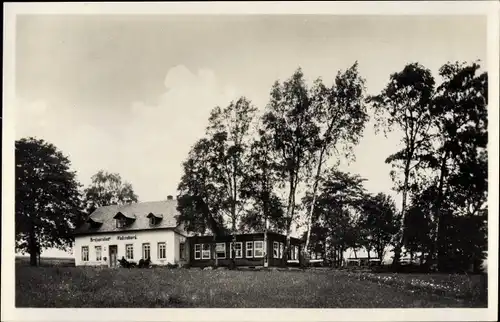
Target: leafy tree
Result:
[404, 104]
[107, 189]
[211, 186]
[289, 122]
[200, 202]
[466, 243]
[341, 117]
[266, 209]
[229, 131]
[318, 241]
[48, 200]
[419, 227]
[379, 221]
[459, 156]
[336, 215]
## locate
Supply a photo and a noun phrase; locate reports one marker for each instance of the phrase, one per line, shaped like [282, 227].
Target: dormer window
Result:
[154, 219]
[123, 220]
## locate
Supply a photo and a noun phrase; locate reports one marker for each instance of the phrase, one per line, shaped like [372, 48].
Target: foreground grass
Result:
[471, 288]
[160, 287]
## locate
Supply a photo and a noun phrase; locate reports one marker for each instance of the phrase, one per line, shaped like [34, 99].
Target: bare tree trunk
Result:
[441, 224]
[266, 253]
[232, 252]
[315, 191]
[32, 246]
[233, 238]
[234, 200]
[214, 251]
[290, 211]
[380, 253]
[399, 242]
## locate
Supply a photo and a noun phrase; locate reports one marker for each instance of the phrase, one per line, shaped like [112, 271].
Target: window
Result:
[162, 250]
[238, 250]
[152, 221]
[296, 251]
[182, 251]
[98, 253]
[293, 253]
[281, 250]
[197, 251]
[249, 249]
[146, 251]
[220, 250]
[85, 253]
[258, 249]
[205, 254]
[276, 250]
[129, 251]
[121, 222]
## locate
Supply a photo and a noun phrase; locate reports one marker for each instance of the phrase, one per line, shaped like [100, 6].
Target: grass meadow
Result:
[58, 286]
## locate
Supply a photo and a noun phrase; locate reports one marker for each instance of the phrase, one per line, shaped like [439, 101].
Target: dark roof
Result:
[138, 213]
[154, 215]
[94, 221]
[120, 214]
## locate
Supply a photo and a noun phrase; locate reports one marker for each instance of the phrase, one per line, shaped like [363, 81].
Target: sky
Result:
[132, 94]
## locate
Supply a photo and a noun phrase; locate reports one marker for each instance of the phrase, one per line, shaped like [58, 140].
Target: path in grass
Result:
[161, 287]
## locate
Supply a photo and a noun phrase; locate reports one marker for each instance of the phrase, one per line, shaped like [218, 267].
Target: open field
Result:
[46, 261]
[162, 287]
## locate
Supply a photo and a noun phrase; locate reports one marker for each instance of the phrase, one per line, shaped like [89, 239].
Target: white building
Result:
[135, 231]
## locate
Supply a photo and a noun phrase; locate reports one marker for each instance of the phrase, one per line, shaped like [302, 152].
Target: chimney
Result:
[170, 198]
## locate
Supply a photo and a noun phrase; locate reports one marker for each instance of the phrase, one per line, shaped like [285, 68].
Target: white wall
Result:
[178, 240]
[153, 237]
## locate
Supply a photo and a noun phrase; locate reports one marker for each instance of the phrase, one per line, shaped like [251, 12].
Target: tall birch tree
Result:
[404, 105]
[341, 116]
[289, 122]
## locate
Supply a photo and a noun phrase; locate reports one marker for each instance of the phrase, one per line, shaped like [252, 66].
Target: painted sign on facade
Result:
[105, 239]
[99, 239]
[126, 237]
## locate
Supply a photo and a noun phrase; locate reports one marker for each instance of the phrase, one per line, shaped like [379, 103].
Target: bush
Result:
[170, 266]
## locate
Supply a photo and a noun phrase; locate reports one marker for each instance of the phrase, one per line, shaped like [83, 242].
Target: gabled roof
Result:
[120, 214]
[159, 216]
[140, 211]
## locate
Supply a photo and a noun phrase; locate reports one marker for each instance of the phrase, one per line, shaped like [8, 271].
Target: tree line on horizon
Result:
[270, 169]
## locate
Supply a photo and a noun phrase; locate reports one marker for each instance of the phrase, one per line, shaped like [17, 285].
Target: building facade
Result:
[134, 232]
[149, 230]
[249, 250]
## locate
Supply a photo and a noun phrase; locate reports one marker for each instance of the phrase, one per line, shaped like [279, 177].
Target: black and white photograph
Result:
[178, 159]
